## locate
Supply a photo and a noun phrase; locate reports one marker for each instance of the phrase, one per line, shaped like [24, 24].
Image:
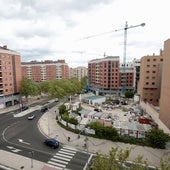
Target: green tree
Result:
[102, 131]
[116, 159]
[44, 86]
[28, 87]
[156, 138]
[129, 94]
[62, 109]
[112, 161]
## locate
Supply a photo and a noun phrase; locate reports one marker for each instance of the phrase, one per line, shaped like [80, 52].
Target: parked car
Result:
[24, 108]
[53, 143]
[30, 117]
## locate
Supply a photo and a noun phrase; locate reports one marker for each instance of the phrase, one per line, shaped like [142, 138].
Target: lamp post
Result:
[48, 122]
[32, 154]
[124, 52]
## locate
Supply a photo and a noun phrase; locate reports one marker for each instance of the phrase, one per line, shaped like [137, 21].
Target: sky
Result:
[82, 30]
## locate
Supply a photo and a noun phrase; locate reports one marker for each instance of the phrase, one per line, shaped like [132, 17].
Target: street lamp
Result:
[32, 154]
[124, 51]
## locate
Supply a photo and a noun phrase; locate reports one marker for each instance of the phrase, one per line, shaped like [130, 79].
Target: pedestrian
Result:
[78, 136]
[68, 138]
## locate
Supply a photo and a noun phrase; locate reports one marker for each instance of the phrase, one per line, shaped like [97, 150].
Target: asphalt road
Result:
[22, 136]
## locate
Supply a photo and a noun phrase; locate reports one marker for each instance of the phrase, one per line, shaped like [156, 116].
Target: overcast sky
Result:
[65, 29]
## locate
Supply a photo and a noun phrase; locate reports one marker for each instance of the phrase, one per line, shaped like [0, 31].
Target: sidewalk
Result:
[153, 156]
[48, 126]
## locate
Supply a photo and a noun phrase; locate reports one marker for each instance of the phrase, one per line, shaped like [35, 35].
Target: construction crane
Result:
[124, 48]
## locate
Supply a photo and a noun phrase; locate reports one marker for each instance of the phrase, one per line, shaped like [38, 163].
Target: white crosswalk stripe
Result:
[61, 159]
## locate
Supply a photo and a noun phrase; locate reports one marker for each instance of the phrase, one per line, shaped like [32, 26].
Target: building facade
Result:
[136, 67]
[165, 86]
[10, 77]
[150, 78]
[104, 75]
[78, 72]
[127, 77]
[45, 70]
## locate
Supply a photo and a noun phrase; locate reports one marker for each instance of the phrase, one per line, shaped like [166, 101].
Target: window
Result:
[148, 60]
[154, 59]
[153, 83]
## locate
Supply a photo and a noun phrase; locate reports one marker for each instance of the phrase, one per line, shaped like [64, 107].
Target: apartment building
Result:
[127, 77]
[136, 67]
[78, 72]
[165, 86]
[10, 77]
[150, 78]
[45, 70]
[104, 75]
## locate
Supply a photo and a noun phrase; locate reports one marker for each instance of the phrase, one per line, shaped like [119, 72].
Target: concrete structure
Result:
[94, 100]
[136, 67]
[127, 77]
[45, 70]
[78, 72]
[10, 77]
[165, 86]
[150, 78]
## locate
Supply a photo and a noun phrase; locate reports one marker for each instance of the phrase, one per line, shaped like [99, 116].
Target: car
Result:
[24, 108]
[53, 143]
[30, 117]
[44, 109]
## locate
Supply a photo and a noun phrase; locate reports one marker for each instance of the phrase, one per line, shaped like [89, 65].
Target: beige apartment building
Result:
[45, 70]
[165, 86]
[150, 78]
[78, 72]
[10, 77]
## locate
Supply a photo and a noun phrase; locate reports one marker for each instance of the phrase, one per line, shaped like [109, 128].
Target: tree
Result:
[116, 160]
[112, 161]
[62, 109]
[129, 94]
[156, 138]
[28, 87]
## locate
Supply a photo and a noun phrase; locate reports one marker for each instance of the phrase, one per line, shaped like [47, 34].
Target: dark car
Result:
[44, 109]
[24, 108]
[53, 143]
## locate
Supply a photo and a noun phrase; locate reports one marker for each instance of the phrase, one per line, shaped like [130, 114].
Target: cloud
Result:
[41, 29]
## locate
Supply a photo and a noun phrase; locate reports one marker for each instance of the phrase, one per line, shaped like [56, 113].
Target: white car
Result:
[30, 117]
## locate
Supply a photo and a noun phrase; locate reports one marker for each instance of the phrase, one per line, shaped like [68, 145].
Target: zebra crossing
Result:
[61, 159]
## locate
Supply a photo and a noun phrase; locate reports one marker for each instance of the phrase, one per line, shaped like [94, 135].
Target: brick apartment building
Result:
[10, 77]
[165, 86]
[149, 86]
[45, 70]
[105, 76]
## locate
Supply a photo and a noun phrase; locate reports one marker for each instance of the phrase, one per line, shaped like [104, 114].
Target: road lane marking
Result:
[53, 163]
[66, 156]
[59, 161]
[68, 151]
[71, 154]
[21, 140]
[59, 157]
